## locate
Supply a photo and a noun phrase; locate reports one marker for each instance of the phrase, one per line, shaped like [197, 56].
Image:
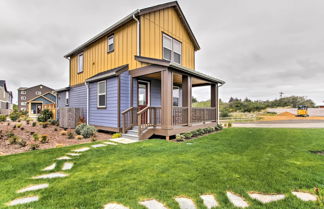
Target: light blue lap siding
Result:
[107, 116]
[125, 84]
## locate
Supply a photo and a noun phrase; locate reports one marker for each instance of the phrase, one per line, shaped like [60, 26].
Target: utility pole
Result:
[281, 93]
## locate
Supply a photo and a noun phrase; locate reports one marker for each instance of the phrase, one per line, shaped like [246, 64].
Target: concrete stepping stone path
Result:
[67, 166]
[209, 201]
[33, 188]
[266, 198]
[115, 206]
[110, 143]
[304, 196]
[152, 204]
[50, 176]
[50, 168]
[64, 158]
[185, 203]
[98, 145]
[83, 149]
[73, 154]
[123, 140]
[23, 200]
[236, 200]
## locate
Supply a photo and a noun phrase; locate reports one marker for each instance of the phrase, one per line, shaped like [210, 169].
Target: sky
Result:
[259, 47]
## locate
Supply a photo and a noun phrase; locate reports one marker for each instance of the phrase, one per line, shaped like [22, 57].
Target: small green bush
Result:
[218, 127]
[79, 128]
[13, 140]
[34, 146]
[45, 115]
[36, 137]
[21, 142]
[44, 139]
[70, 135]
[180, 137]
[44, 124]
[116, 135]
[88, 131]
[229, 125]
[3, 118]
[34, 124]
[14, 116]
[18, 125]
[206, 130]
[93, 139]
[194, 133]
[10, 134]
[53, 122]
[187, 135]
[200, 132]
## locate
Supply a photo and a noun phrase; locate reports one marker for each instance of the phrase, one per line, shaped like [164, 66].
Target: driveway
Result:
[282, 124]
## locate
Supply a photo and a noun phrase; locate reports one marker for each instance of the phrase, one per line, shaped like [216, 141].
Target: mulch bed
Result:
[55, 138]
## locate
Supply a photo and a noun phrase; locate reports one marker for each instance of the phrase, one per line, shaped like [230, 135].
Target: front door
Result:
[143, 98]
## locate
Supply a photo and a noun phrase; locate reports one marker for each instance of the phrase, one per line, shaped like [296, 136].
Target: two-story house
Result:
[5, 99]
[138, 74]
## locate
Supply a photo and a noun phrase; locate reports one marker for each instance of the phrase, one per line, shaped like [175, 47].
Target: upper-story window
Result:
[171, 49]
[23, 97]
[111, 45]
[38, 92]
[80, 63]
[176, 96]
[23, 92]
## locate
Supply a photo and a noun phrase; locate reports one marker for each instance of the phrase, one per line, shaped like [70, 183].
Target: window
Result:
[23, 92]
[101, 91]
[80, 63]
[110, 46]
[171, 49]
[23, 97]
[67, 98]
[176, 95]
[23, 103]
[38, 92]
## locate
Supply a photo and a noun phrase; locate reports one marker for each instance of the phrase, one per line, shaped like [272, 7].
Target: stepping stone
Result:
[152, 204]
[50, 176]
[185, 203]
[33, 188]
[209, 201]
[98, 145]
[115, 206]
[304, 196]
[64, 158]
[124, 140]
[81, 149]
[110, 143]
[67, 166]
[73, 154]
[23, 200]
[266, 198]
[49, 168]
[236, 200]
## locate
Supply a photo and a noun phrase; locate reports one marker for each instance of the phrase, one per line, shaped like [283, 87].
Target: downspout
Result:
[138, 33]
[87, 85]
[56, 100]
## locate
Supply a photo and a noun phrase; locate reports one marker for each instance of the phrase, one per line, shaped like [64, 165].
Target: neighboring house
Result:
[140, 72]
[25, 94]
[5, 99]
[38, 103]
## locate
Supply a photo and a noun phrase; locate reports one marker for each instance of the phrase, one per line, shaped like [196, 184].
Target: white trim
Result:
[148, 92]
[172, 48]
[99, 94]
[113, 43]
[23, 92]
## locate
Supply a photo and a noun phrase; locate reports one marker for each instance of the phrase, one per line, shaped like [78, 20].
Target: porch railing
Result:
[129, 118]
[203, 114]
[179, 115]
[148, 117]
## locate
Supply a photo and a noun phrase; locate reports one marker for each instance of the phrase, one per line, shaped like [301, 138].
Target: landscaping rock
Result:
[209, 201]
[152, 204]
[98, 145]
[236, 200]
[33, 188]
[67, 166]
[23, 200]
[51, 176]
[81, 149]
[185, 203]
[64, 158]
[50, 168]
[266, 198]
[304, 196]
[115, 206]
[73, 154]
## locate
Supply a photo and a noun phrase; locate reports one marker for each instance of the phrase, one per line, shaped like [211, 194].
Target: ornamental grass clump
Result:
[3, 118]
[44, 139]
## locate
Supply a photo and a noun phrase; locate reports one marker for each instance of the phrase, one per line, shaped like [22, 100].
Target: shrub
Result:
[34, 146]
[187, 135]
[180, 137]
[36, 137]
[10, 134]
[3, 118]
[93, 139]
[14, 116]
[34, 124]
[45, 115]
[116, 135]
[88, 131]
[229, 125]
[13, 140]
[206, 130]
[79, 128]
[194, 133]
[70, 135]
[53, 122]
[79, 137]
[18, 125]
[45, 124]
[224, 113]
[218, 127]
[200, 131]
[63, 133]
[21, 142]
[44, 139]
[211, 129]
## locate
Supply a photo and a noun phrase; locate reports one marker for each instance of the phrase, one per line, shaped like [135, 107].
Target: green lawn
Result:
[236, 159]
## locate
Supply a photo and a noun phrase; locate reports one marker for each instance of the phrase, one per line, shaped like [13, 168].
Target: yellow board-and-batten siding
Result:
[97, 59]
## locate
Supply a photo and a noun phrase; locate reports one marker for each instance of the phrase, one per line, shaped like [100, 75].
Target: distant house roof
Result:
[107, 74]
[3, 84]
[25, 88]
[129, 17]
[44, 97]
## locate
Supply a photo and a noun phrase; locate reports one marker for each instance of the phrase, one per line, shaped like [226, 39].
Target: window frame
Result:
[100, 94]
[23, 103]
[172, 48]
[67, 98]
[112, 36]
[23, 98]
[23, 92]
[38, 93]
[80, 70]
[178, 88]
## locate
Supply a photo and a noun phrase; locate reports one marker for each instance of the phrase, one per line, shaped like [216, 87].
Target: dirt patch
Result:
[319, 152]
[287, 114]
[26, 133]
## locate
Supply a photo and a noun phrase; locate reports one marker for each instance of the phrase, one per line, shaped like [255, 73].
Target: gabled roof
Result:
[43, 96]
[25, 88]
[129, 17]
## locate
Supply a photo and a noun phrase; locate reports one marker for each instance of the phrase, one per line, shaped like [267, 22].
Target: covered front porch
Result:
[161, 101]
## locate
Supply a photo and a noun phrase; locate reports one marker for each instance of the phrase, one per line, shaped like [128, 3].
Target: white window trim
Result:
[23, 92]
[67, 98]
[23, 103]
[113, 43]
[80, 70]
[38, 93]
[172, 48]
[100, 94]
[23, 97]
